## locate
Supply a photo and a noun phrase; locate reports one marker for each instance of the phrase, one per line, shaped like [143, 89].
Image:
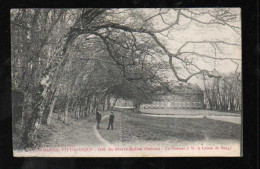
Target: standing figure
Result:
[111, 121]
[98, 118]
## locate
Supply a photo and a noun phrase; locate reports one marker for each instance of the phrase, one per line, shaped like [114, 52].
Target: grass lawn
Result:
[137, 127]
[190, 112]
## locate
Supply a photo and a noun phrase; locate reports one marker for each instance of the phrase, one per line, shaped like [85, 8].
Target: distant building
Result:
[184, 96]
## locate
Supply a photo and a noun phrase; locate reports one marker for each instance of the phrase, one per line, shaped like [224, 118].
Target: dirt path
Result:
[76, 133]
[113, 136]
[230, 119]
[104, 141]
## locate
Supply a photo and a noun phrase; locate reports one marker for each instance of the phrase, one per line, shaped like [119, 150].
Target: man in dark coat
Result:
[111, 121]
[98, 118]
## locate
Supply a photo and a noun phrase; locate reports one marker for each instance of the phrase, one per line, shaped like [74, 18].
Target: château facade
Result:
[185, 96]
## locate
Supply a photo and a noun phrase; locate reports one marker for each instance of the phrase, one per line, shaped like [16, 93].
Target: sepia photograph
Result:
[126, 82]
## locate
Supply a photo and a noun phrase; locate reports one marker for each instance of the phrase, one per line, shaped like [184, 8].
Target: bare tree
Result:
[223, 94]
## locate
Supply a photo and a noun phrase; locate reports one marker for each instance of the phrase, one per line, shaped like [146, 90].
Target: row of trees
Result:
[224, 94]
[75, 60]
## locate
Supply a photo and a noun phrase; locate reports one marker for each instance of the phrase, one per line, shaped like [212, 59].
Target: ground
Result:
[75, 133]
[136, 127]
[132, 127]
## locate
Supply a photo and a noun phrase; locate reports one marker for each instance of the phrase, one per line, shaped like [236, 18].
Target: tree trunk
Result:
[136, 105]
[66, 111]
[84, 112]
[80, 111]
[77, 113]
[29, 136]
[51, 111]
[108, 103]
[114, 103]
[88, 110]
[207, 92]
[87, 107]
[104, 105]
[74, 110]
[94, 105]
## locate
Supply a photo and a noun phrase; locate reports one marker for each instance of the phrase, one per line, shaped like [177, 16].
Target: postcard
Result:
[137, 82]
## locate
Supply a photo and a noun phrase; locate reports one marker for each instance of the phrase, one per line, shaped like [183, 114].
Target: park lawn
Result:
[136, 127]
[141, 127]
[189, 112]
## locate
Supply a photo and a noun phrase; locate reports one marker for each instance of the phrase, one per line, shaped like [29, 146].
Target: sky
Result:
[188, 30]
[200, 32]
